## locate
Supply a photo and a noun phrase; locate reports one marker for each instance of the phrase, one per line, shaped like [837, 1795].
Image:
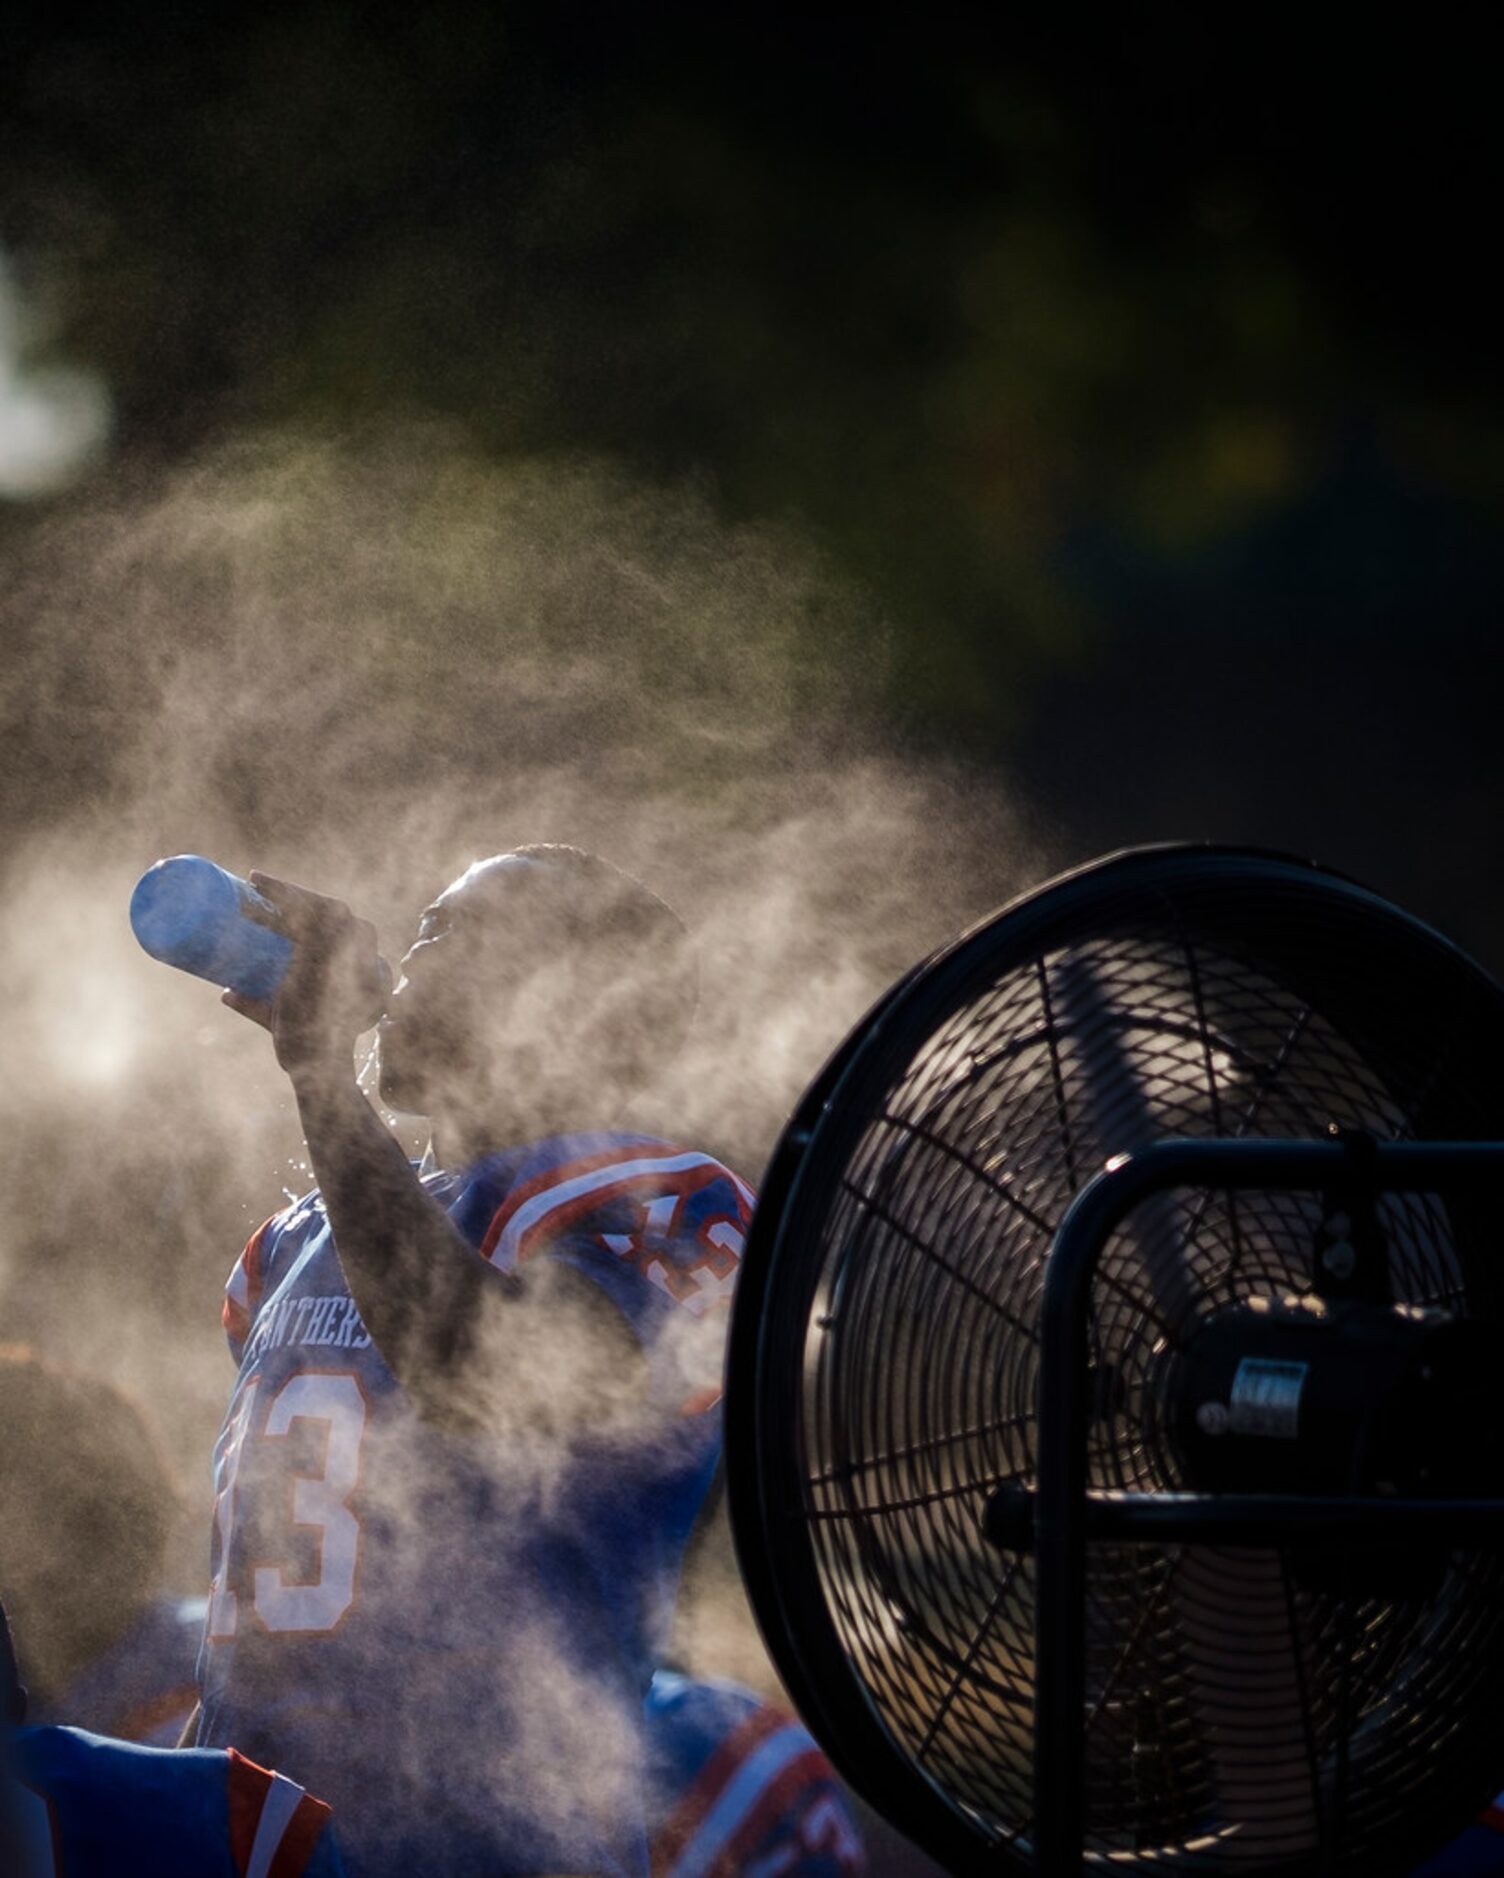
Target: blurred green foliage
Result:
[1033, 324]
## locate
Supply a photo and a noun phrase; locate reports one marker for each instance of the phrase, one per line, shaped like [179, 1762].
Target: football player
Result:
[78, 1805]
[737, 1786]
[477, 1405]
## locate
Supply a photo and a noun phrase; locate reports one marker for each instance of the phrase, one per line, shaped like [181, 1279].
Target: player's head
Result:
[12, 1692]
[88, 1503]
[543, 984]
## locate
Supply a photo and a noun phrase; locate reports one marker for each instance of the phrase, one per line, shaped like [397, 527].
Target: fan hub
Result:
[1300, 1395]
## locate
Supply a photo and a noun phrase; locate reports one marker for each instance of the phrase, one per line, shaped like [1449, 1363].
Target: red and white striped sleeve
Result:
[654, 1174]
[766, 1788]
[275, 1825]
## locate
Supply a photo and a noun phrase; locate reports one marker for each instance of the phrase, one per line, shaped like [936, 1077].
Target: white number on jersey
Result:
[319, 1501]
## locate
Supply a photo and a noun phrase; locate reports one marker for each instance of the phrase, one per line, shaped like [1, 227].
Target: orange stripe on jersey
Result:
[237, 1324]
[653, 1183]
[809, 1769]
[300, 1838]
[246, 1287]
[255, 1268]
[558, 1176]
[703, 1791]
[248, 1786]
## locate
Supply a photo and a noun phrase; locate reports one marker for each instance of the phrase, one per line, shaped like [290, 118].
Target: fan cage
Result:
[895, 1370]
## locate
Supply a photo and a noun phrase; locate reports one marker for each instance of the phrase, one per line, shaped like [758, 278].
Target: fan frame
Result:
[764, 1489]
[1064, 1510]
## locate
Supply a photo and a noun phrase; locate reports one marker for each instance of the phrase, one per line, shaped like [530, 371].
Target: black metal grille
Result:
[1192, 995]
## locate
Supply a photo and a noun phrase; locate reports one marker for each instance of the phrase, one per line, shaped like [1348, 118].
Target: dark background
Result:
[1142, 371]
[1132, 383]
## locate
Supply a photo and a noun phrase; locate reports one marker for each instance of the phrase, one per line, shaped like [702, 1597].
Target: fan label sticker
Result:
[1265, 1398]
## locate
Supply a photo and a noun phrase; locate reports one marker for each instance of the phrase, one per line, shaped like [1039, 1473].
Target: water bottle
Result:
[187, 912]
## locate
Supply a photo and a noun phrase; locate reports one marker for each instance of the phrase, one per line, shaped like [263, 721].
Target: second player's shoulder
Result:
[687, 1719]
[737, 1782]
[48, 1757]
[131, 1809]
[690, 1719]
[75, 1766]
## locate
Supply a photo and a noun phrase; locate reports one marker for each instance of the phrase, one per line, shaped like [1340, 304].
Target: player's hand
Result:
[335, 985]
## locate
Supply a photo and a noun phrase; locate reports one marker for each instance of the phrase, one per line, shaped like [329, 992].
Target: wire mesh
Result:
[1236, 1710]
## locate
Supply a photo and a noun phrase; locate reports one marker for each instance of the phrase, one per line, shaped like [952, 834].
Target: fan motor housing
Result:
[1301, 1395]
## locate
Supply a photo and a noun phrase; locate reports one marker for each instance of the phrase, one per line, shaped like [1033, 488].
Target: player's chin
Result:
[399, 1079]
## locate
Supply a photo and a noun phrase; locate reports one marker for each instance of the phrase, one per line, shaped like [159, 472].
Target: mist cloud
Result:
[361, 665]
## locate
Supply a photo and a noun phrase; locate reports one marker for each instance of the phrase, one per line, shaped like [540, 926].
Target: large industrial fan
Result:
[1115, 1410]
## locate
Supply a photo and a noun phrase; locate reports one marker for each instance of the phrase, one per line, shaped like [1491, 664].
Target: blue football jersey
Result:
[87, 1807]
[143, 1688]
[453, 1635]
[737, 1788]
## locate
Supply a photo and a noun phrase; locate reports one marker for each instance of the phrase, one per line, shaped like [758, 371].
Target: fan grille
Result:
[1222, 1688]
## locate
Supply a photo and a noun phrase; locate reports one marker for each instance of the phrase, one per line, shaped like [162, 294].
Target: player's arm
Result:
[456, 1332]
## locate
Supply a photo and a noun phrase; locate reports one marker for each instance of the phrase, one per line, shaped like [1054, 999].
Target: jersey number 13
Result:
[319, 1501]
